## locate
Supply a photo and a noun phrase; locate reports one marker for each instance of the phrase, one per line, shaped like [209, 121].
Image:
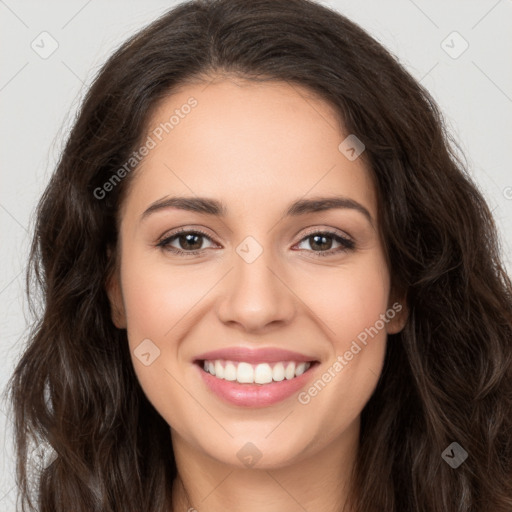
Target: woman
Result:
[204, 345]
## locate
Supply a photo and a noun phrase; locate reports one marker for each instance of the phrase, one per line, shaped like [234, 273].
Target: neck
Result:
[317, 482]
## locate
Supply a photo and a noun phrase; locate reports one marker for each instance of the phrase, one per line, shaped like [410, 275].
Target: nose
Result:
[255, 295]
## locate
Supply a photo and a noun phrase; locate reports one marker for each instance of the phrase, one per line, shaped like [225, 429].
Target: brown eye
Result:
[321, 243]
[190, 242]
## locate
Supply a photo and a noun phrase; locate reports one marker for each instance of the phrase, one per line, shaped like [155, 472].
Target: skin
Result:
[257, 147]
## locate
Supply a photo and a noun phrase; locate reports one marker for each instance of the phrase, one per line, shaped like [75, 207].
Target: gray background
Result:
[39, 97]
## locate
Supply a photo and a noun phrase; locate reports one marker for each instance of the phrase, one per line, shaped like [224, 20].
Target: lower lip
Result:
[255, 395]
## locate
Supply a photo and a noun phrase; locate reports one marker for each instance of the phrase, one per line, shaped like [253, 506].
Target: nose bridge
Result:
[255, 294]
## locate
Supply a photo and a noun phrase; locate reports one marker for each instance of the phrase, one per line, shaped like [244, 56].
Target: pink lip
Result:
[254, 356]
[255, 395]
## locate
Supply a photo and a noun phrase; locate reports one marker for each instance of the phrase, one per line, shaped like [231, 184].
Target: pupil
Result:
[189, 243]
[315, 237]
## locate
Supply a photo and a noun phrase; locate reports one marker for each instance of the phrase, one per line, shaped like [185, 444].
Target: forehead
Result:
[252, 144]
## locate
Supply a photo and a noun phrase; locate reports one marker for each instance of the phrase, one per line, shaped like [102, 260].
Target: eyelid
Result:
[317, 229]
[186, 228]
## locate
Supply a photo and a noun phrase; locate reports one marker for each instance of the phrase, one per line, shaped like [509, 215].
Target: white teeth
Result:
[219, 370]
[244, 373]
[301, 368]
[262, 373]
[278, 372]
[290, 371]
[230, 371]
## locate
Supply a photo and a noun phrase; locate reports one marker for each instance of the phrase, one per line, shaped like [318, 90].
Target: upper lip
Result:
[259, 355]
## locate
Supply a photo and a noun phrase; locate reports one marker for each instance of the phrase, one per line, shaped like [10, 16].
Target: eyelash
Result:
[346, 243]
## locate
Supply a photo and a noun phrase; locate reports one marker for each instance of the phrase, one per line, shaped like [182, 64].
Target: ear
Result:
[397, 312]
[115, 297]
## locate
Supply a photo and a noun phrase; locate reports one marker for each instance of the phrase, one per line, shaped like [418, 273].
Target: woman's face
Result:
[253, 276]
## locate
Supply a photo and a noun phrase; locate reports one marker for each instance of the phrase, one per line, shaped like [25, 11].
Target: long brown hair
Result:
[447, 376]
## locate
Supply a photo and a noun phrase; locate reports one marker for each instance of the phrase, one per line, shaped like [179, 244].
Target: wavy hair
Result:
[447, 376]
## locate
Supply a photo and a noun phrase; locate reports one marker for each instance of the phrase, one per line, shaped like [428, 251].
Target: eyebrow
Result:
[217, 208]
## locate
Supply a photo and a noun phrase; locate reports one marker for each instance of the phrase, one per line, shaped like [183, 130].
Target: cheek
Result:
[156, 299]
[352, 308]
[349, 299]
[157, 296]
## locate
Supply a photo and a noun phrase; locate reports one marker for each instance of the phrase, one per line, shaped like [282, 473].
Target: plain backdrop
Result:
[459, 49]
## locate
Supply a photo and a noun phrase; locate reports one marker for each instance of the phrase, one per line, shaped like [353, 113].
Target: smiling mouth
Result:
[243, 372]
